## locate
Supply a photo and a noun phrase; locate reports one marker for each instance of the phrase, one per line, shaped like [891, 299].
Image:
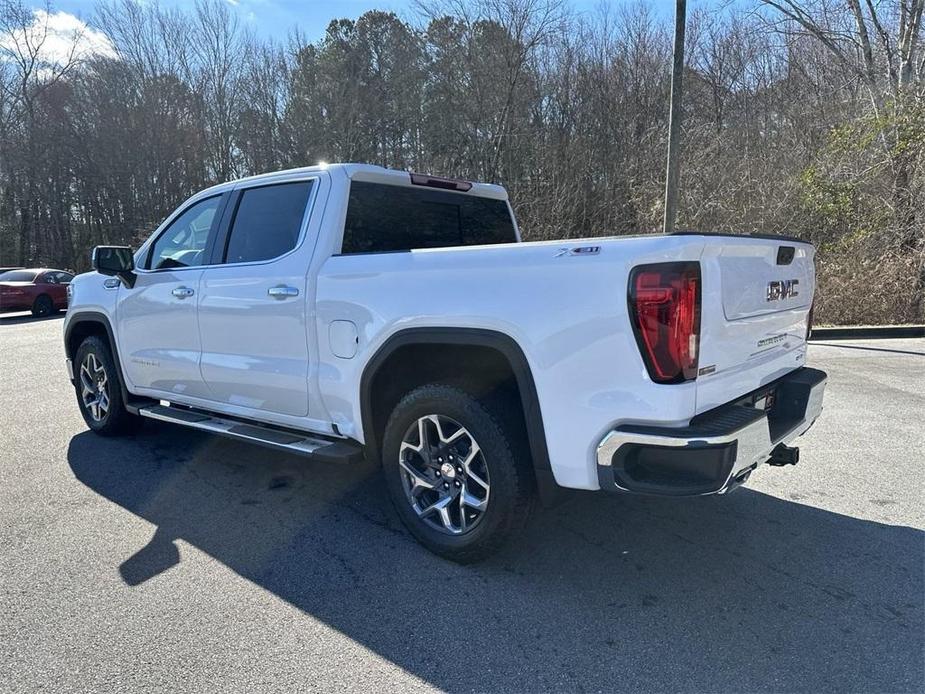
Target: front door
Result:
[158, 328]
[252, 303]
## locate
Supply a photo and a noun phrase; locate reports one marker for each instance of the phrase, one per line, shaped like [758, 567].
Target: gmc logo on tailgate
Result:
[782, 289]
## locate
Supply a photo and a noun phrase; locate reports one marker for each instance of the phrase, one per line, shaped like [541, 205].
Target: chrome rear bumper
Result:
[718, 450]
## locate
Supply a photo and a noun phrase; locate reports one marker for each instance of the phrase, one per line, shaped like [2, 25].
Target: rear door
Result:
[64, 279]
[756, 298]
[252, 306]
[56, 287]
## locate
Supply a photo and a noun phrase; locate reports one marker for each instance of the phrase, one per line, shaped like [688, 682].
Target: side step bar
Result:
[315, 447]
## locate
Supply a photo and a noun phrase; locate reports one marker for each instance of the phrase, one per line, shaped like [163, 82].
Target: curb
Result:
[867, 332]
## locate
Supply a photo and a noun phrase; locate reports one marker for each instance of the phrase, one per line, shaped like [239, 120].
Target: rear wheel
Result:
[43, 306]
[99, 391]
[456, 472]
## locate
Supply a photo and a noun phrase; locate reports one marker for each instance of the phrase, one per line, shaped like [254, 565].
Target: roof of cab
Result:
[359, 172]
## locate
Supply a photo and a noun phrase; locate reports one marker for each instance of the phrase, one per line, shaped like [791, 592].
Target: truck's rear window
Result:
[383, 218]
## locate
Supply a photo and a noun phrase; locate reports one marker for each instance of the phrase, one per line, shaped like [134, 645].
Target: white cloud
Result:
[60, 38]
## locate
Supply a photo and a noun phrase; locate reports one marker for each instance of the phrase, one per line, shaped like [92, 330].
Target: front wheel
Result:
[457, 472]
[99, 391]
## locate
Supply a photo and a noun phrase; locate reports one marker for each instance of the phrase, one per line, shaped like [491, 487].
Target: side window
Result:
[48, 278]
[267, 222]
[183, 243]
[65, 277]
[383, 218]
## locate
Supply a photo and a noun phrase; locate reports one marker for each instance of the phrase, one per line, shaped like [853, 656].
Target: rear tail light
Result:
[664, 306]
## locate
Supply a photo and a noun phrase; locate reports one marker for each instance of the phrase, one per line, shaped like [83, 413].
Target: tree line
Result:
[801, 117]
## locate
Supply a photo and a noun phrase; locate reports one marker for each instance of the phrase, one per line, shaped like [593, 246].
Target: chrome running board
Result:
[300, 443]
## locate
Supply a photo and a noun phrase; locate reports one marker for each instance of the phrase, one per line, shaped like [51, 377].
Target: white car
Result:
[348, 310]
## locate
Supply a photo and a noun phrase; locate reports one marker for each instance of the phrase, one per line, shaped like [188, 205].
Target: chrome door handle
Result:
[282, 291]
[182, 292]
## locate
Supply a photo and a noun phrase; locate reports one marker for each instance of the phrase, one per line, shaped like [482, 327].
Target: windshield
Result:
[18, 276]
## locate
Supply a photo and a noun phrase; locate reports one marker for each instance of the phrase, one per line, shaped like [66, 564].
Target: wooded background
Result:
[800, 117]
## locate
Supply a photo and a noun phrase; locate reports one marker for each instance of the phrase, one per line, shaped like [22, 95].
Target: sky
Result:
[275, 18]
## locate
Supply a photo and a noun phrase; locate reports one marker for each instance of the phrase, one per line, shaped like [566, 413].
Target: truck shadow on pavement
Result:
[749, 592]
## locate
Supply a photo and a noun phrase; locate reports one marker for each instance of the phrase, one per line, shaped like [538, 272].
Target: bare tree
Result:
[881, 43]
[24, 38]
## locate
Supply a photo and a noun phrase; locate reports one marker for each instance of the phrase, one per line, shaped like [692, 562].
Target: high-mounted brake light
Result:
[664, 305]
[437, 182]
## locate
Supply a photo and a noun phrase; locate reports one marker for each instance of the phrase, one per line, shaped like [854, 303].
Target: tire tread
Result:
[120, 420]
[512, 448]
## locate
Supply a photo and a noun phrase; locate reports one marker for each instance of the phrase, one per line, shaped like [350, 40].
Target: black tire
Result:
[43, 306]
[115, 420]
[504, 459]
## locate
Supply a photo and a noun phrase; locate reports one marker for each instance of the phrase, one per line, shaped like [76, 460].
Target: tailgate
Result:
[756, 298]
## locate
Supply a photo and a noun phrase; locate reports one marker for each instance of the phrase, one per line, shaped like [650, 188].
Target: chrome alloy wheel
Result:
[444, 474]
[94, 387]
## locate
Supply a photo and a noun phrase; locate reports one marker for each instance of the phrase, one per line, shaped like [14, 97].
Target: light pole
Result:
[673, 172]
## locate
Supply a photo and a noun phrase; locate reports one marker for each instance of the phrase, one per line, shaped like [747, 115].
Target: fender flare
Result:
[475, 337]
[98, 318]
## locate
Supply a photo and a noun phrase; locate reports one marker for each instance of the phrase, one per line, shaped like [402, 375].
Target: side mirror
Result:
[115, 261]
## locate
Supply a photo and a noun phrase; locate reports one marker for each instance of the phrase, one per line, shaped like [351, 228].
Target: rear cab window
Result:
[384, 218]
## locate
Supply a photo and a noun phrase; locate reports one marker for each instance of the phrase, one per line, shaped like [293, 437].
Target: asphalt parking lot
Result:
[177, 561]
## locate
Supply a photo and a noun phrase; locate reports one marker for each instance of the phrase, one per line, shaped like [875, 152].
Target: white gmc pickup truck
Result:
[347, 310]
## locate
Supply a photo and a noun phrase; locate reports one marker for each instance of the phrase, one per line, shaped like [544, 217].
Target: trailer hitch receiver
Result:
[784, 455]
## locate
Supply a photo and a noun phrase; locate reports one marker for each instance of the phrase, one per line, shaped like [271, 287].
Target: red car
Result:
[39, 290]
